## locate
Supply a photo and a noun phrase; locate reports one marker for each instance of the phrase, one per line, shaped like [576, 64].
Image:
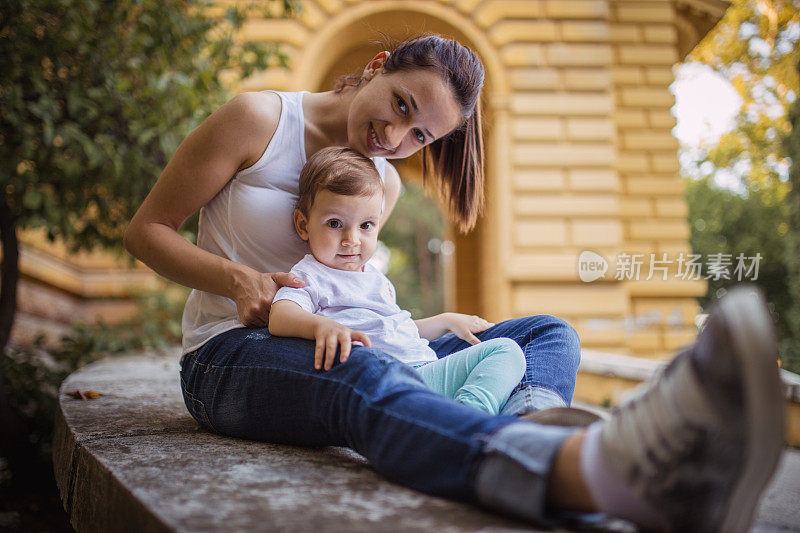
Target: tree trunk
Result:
[9, 274]
[14, 446]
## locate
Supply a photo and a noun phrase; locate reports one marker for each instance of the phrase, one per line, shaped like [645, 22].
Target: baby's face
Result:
[342, 231]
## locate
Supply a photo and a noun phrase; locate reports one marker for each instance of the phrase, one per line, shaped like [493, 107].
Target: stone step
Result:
[134, 460]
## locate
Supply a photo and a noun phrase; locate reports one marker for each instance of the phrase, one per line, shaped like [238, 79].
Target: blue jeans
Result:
[249, 384]
[552, 351]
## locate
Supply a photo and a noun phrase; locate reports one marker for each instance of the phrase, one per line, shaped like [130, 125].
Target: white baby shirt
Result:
[362, 301]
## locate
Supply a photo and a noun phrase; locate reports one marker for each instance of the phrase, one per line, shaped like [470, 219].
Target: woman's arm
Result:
[463, 326]
[231, 139]
[288, 319]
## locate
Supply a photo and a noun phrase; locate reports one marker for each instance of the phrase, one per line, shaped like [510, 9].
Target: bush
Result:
[731, 222]
[35, 374]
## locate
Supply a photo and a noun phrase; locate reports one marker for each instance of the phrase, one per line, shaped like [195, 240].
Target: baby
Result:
[346, 300]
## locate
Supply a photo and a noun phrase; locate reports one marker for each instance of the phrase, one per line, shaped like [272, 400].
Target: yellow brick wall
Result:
[565, 185]
[644, 41]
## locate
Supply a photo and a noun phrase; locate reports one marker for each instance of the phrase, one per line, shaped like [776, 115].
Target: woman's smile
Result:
[373, 143]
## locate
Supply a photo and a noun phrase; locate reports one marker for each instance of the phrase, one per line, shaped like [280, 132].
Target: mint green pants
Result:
[481, 376]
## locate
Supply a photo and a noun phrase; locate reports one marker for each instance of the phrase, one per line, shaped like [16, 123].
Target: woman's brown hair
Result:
[457, 158]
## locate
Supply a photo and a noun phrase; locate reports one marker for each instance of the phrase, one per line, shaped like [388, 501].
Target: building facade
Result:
[580, 155]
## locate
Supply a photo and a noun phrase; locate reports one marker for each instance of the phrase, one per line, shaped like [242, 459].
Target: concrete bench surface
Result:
[134, 460]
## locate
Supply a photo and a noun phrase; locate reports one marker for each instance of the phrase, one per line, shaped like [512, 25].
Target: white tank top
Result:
[250, 222]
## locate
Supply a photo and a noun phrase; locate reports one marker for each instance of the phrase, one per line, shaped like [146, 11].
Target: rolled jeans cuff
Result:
[512, 477]
[532, 398]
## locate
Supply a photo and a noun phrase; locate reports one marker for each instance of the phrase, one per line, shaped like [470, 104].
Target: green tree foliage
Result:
[728, 222]
[790, 348]
[95, 96]
[414, 235]
[755, 47]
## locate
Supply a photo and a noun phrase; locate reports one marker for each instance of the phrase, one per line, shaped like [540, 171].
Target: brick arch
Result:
[329, 40]
[343, 45]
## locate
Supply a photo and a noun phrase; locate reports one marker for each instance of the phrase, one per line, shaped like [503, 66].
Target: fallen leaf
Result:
[84, 395]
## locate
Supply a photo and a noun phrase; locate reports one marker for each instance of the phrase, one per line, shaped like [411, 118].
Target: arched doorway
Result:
[473, 277]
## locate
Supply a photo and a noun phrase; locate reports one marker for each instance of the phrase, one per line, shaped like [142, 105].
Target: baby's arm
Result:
[288, 319]
[463, 326]
[433, 327]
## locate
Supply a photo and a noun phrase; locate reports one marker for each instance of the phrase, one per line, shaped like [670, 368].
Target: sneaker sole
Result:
[562, 416]
[756, 351]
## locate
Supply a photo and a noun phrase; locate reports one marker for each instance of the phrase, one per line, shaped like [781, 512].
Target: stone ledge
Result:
[623, 366]
[640, 369]
[134, 460]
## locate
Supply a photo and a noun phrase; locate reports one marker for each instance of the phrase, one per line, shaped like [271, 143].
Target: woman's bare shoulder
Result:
[232, 138]
[255, 116]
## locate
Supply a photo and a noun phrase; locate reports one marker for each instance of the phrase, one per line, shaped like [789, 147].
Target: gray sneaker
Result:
[702, 441]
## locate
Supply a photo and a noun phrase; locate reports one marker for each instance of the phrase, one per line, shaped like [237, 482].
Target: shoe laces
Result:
[654, 432]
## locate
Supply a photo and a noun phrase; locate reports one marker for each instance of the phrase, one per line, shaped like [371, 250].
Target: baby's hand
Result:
[463, 326]
[329, 335]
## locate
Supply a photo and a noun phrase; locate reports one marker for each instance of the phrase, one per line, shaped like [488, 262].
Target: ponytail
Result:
[456, 163]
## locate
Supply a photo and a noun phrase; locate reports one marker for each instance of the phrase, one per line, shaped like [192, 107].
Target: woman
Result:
[241, 167]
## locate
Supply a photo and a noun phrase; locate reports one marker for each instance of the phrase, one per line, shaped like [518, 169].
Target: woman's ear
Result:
[300, 224]
[376, 64]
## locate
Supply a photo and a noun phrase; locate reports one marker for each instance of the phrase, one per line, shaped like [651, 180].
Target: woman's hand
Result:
[329, 334]
[255, 292]
[464, 326]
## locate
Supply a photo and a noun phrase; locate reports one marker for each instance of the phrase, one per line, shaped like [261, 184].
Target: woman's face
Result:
[395, 115]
